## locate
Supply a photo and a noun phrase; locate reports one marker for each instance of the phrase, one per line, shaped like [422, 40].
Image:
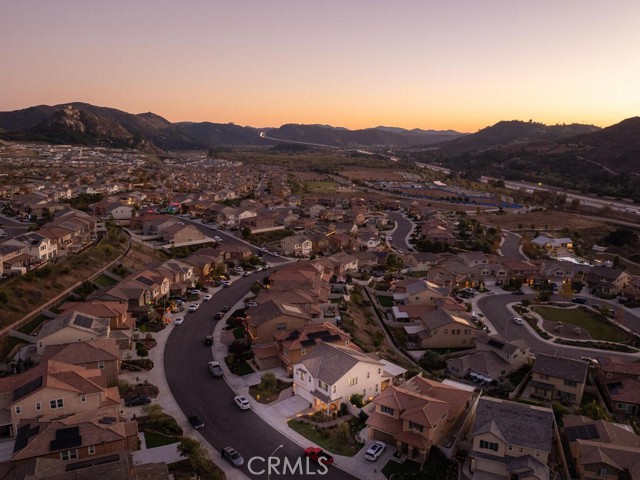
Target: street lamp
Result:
[272, 454]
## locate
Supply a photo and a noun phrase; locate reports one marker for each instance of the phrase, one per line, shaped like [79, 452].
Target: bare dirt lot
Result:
[548, 221]
[373, 174]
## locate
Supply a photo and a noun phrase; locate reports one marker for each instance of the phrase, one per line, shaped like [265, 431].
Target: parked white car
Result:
[178, 320]
[242, 402]
[374, 451]
[518, 321]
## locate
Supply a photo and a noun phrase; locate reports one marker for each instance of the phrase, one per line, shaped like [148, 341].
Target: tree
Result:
[430, 360]
[544, 295]
[356, 400]
[153, 411]
[594, 411]
[194, 451]
[268, 382]
[566, 290]
[343, 434]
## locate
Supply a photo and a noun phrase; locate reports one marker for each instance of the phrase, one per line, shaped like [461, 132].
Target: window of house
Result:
[416, 426]
[446, 330]
[385, 409]
[379, 371]
[57, 403]
[353, 381]
[609, 375]
[368, 374]
[18, 409]
[520, 449]
[334, 389]
[304, 350]
[281, 326]
[489, 445]
[101, 365]
[323, 385]
[38, 406]
[91, 449]
[570, 383]
[510, 447]
[286, 352]
[467, 331]
[602, 473]
[69, 455]
[544, 377]
[83, 398]
[376, 387]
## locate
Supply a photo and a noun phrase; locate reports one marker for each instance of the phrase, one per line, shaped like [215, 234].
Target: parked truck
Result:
[318, 455]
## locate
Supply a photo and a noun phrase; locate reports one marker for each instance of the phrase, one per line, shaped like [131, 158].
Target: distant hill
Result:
[617, 146]
[342, 137]
[512, 132]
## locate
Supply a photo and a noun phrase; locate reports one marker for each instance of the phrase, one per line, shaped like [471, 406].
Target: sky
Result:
[449, 64]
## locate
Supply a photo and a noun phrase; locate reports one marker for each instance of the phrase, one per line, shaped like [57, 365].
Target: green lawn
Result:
[325, 438]
[266, 397]
[154, 439]
[105, 281]
[598, 329]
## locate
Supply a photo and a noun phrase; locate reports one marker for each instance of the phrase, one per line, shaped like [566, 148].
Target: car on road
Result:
[216, 369]
[137, 400]
[217, 238]
[623, 300]
[374, 451]
[193, 307]
[226, 308]
[196, 422]
[207, 297]
[518, 321]
[178, 321]
[517, 292]
[580, 300]
[389, 238]
[233, 456]
[226, 283]
[250, 303]
[590, 360]
[242, 402]
[218, 316]
[208, 340]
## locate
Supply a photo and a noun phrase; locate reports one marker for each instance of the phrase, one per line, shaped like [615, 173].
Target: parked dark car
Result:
[196, 422]
[137, 400]
[218, 316]
[233, 456]
[517, 292]
[208, 340]
[580, 300]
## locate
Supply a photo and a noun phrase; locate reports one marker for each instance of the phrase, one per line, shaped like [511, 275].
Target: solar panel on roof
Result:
[27, 388]
[69, 432]
[293, 335]
[65, 443]
[306, 343]
[323, 333]
[144, 280]
[331, 338]
[22, 438]
[495, 344]
[83, 321]
[582, 432]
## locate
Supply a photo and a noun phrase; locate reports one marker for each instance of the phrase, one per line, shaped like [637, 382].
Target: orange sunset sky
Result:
[458, 65]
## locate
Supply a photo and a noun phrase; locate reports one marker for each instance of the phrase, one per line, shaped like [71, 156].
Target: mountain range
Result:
[83, 123]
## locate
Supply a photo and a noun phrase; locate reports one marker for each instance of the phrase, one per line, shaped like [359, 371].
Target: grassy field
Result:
[598, 329]
[325, 438]
[105, 281]
[408, 467]
[154, 439]
[267, 397]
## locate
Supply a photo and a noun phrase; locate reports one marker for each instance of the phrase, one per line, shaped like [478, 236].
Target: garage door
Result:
[383, 437]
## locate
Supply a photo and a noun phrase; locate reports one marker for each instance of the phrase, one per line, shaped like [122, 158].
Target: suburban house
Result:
[438, 327]
[605, 279]
[492, 359]
[121, 324]
[417, 415]
[181, 234]
[111, 209]
[72, 327]
[630, 286]
[40, 248]
[292, 345]
[296, 246]
[103, 355]
[452, 275]
[511, 440]
[78, 437]
[620, 382]
[601, 449]
[52, 389]
[329, 375]
[557, 378]
[552, 244]
[416, 291]
[421, 262]
[271, 317]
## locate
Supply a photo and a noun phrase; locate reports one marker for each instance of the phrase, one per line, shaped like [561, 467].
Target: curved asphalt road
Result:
[403, 228]
[198, 393]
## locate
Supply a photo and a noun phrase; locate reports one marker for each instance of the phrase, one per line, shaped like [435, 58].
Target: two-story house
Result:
[417, 415]
[601, 449]
[511, 440]
[52, 389]
[492, 359]
[296, 246]
[103, 355]
[330, 374]
[265, 320]
[621, 384]
[558, 378]
[72, 327]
